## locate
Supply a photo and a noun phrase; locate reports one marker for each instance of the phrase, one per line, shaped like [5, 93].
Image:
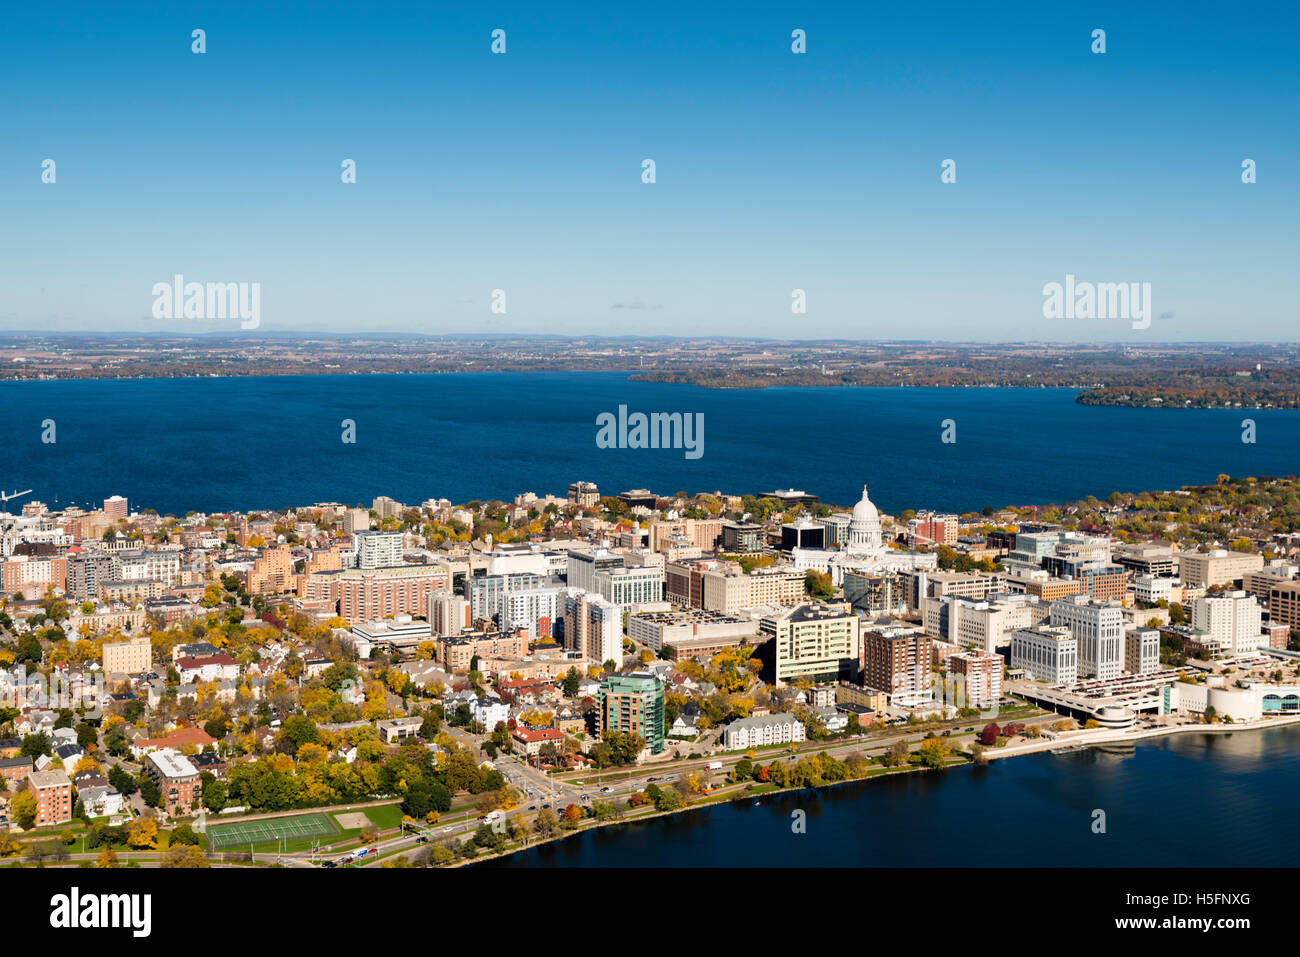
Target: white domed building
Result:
[865, 551]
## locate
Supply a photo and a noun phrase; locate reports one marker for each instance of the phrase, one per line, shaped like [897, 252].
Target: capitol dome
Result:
[865, 510]
[864, 528]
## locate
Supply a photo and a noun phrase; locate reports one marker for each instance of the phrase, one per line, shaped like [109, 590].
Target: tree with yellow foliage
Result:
[142, 832]
[87, 763]
[537, 719]
[107, 858]
[312, 753]
[183, 855]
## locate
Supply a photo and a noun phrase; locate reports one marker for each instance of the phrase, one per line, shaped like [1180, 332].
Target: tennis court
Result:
[243, 833]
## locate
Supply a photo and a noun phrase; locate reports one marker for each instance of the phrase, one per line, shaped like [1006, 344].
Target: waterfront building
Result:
[634, 704]
[1047, 653]
[1099, 629]
[1232, 620]
[766, 730]
[355, 520]
[898, 662]
[583, 494]
[978, 677]
[1141, 650]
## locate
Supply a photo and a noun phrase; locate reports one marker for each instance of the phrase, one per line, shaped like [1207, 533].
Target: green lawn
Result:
[385, 816]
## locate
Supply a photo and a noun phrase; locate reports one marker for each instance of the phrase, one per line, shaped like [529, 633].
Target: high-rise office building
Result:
[1099, 629]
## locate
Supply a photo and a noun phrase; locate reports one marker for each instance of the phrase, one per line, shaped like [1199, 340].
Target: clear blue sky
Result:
[775, 170]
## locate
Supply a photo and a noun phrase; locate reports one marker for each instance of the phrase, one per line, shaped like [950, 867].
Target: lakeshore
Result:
[1055, 794]
[1063, 746]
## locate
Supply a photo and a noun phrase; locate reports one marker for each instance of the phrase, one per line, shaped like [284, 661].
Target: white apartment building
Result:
[583, 564]
[816, 641]
[1099, 630]
[1153, 590]
[163, 566]
[536, 610]
[1232, 620]
[378, 549]
[974, 624]
[1047, 654]
[630, 585]
[765, 730]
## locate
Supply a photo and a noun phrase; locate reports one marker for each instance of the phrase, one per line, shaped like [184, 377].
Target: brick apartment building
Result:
[177, 779]
[53, 793]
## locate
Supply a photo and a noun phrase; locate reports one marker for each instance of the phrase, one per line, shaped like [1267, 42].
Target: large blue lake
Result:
[240, 443]
[1190, 800]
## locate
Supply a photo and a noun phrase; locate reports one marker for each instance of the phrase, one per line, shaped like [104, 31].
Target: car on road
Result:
[651, 780]
[532, 807]
[605, 790]
[329, 864]
[448, 829]
[422, 839]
